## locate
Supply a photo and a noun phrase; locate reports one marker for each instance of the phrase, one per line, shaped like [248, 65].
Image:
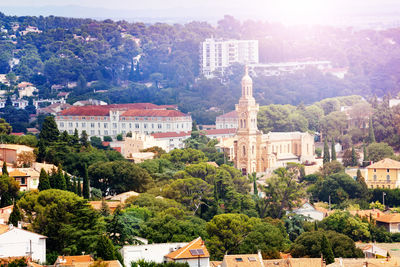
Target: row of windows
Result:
[387, 177]
[123, 125]
[106, 132]
[122, 118]
[387, 170]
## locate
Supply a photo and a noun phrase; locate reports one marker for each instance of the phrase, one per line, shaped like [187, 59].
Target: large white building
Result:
[111, 120]
[16, 242]
[215, 54]
[281, 68]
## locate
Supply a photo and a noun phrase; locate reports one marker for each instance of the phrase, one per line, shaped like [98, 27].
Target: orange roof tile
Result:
[152, 113]
[17, 173]
[187, 252]
[389, 218]
[68, 260]
[385, 164]
[3, 228]
[247, 260]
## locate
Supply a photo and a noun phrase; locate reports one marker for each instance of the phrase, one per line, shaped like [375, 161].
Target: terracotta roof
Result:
[132, 109]
[389, 218]
[111, 204]
[190, 251]
[17, 173]
[385, 164]
[170, 134]
[245, 260]
[152, 113]
[232, 114]
[221, 131]
[24, 84]
[68, 260]
[215, 263]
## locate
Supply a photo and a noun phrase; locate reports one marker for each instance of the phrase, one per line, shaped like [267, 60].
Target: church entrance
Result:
[244, 172]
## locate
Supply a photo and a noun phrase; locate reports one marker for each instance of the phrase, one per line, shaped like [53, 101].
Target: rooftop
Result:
[385, 164]
[170, 134]
[193, 250]
[389, 218]
[232, 114]
[221, 131]
[68, 260]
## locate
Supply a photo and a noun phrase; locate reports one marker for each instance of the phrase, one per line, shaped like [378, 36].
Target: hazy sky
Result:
[290, 11]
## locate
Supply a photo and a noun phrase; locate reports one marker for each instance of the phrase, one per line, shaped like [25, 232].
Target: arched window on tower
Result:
[252, 149]
[244, 123]
[241, 123]
[244, 150]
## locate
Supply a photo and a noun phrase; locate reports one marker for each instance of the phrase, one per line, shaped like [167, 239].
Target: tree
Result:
[379, 151]
[49, 132]
[333, 150]
[59, 180]
[327, 157]
[86, 188]
[69, 222]
[371, 132]
[79, 188]
[5, 128]
[354, 157]
[9, 189]
[119, 176]
[105, 249]
[84, 140]
[120, 137]
[15, 215]
[44, 182]
[326, 250]
[104, 209]
[366, 158]
[4, 170]
[283, 192]
[25, 159]
[365, 193]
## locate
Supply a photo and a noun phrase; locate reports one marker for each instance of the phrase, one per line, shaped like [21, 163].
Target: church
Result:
[252, 151]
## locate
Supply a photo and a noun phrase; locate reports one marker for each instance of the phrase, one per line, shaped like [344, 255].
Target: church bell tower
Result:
[247, 110]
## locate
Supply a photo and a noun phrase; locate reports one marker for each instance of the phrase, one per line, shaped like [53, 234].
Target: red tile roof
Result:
[232, 114]
[152, 113]
[170, 134]
[132, 109]
[221, 131]
[389, 218]
[385, 164]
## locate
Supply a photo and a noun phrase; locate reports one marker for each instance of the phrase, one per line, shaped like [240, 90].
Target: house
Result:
[384, 174]
[373, 251]
[54, 108]
[16, 242]
[149, 252]
[174, 139]
[70, 260]
[5, 214]
[391, 222]
[90, 102]
[10, 152]
[309, 211]
[138, 142]
[195, 254]
[295, 262]
[123, 196]
[26, 89]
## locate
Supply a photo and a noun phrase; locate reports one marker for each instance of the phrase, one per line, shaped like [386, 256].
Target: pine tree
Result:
[104, 209]
[15, 215]
[75, 138]
[326, 250]
[86, 188]
[371, 132]
[354, 161]
[333, 150]
[41, 151]
[79, 188]
[44, 182]
[365, 194]
[52, 178]
[59, 179]
[365, 160]
[327, 157]
[105, 249]
[4, 170]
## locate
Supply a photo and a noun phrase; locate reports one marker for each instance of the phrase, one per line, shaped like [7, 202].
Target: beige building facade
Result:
[252, 151]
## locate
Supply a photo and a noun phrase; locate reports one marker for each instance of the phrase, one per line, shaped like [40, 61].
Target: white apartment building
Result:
[215, 54]
[111, 120]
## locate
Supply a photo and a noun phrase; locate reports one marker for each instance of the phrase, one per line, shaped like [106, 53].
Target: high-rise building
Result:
[216, 55]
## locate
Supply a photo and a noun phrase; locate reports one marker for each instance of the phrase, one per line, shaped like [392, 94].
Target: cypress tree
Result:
[4, 170]
[364, 188]
[49, 132]
[59, 179]
[326, 250]
[86, 189]
[104, 209]
[327, 157]
[354, 161]
[68, 185]
[74, 186]
[52, 178]
[44, 182]
[79, 188]
[41, 151]
[75, 138]
[371, 132]
[15, 215]
[365, 160]
[84, 139]
[105, 249]
[333, 150]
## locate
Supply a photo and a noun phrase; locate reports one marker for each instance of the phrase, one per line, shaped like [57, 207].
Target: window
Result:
[114, 132]
[23, 180]
[70, 131]
[99, 124]
[91, 132]
[70, 124]
[61, 124]
[114, 125]
[159, 126]
[388, 178]
[123, 125]
[387, 170]
[92, 125]
[105, 132]
[105, 125]
[168, 126]
[152, 126]
[76, 124]
[145, 125]
[374, 170]
[83, 124]
[244, 150]
[374, 177]
[137, 125]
